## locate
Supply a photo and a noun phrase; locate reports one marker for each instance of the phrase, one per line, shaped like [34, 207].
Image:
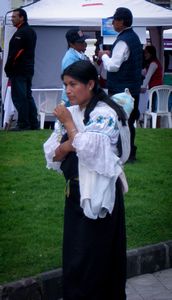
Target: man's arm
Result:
[120, 54]
[15, 52]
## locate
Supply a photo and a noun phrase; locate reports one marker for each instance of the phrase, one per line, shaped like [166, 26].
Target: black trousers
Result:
[94, 251]
[23, 101]
[133, 117]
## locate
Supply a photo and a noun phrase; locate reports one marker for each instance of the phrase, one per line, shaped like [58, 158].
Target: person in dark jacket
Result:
[124, 65]
[19, 69]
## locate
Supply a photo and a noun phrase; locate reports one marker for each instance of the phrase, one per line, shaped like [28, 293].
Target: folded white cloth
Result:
[9, 108]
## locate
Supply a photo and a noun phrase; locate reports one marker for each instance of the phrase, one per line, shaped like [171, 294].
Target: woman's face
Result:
[77, 92]
[147, 55]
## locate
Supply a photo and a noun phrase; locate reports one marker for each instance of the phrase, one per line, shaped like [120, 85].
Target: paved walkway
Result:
[156, 286]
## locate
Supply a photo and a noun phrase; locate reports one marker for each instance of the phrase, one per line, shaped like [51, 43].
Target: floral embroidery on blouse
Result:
[100, 120]
[111, 122]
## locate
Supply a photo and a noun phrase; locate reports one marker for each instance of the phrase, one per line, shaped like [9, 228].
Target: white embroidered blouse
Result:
[99, 165]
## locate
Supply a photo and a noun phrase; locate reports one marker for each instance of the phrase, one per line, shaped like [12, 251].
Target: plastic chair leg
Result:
[154, 119]
[169, 120]
[145, 121]
[42, 119]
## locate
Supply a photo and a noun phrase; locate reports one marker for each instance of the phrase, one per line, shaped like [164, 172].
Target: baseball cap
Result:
[123, 13]
[75, 36]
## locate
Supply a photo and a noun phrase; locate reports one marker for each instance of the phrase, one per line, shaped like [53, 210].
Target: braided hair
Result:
[83, 71]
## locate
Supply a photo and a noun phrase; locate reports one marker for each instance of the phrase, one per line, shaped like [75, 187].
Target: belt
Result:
[68, 185]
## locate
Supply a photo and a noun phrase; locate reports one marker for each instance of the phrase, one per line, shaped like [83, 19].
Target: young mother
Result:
[94, 247]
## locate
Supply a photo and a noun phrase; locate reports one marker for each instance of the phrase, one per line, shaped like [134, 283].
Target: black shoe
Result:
[132, 157]
[17, 128]
[141, 123]
[35, 128]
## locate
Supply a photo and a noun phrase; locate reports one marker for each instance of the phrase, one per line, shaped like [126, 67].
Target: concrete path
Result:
[155, 286]
[149, 286]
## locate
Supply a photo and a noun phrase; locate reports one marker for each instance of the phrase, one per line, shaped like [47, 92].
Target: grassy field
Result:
[32, 200]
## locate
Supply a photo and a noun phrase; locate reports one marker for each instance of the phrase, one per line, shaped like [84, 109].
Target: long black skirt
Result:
[94, 251]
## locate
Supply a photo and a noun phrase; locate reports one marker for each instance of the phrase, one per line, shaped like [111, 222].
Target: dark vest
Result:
[129, 74]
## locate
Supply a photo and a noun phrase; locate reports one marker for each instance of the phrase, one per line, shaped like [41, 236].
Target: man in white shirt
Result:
[124, 65]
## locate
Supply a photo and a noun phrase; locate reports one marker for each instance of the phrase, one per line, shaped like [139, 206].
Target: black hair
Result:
[84, 71]
[127, 23]
[124, 14]
[152, 51]
[22, 13]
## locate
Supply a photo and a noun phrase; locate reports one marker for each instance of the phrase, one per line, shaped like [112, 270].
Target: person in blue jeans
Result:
[19, 69]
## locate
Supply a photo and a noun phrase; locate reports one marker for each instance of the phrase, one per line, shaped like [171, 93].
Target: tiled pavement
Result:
[155, 286]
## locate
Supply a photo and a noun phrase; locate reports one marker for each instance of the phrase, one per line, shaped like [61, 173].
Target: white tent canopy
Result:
[52, 18]
[90, 12]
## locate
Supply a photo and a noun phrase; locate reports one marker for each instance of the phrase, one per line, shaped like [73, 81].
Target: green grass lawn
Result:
[32, 200]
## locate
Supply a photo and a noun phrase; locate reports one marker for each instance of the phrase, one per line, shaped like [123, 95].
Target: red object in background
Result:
[92, 4]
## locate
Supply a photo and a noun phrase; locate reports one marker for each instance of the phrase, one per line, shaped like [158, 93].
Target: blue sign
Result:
[107, 28]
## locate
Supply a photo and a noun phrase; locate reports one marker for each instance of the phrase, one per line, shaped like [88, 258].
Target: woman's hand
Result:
[63, 114]
[65, 117]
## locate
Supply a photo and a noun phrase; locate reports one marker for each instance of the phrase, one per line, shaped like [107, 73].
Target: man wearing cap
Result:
[76, 48]
[124, 65]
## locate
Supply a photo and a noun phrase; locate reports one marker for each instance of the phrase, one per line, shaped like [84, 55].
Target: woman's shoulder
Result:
[104, 109]
[154, 62]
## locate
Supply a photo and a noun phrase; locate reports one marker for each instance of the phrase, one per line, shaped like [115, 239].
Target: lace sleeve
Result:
[96, 146]
[50, 146]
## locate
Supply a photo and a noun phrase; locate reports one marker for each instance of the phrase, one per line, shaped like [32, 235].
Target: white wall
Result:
[50, 49]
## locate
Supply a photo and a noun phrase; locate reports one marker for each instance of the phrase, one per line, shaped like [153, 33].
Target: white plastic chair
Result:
[46, 100]
[163, 94]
